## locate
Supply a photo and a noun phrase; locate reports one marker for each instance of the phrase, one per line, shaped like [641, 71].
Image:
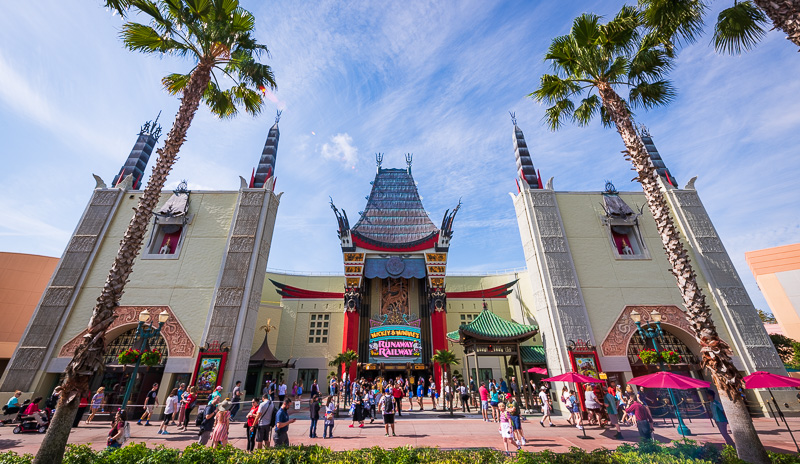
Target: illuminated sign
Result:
[395, 343]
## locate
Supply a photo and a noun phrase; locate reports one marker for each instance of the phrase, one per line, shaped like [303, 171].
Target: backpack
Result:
[272, 418]
[388, 405]
[201, 414]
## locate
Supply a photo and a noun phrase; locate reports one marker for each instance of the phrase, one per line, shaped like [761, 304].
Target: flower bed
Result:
[680, 452]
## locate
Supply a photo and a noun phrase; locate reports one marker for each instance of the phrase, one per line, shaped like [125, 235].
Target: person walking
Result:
[238, 396]
[370, 401]
[718, 414]
[358, 409]
[172, 404]
[314, 388]
[116, 436]
[494, 402]
[264, 421]
[150, 402]
[574, 408]
[330, 409]
[473, 390]
[207, 424]
[483, 392]
[420, 393]
[282, 422]
[547, 406]
[612, 409]
[397, 394]
[282, 392]
[433, 394]
[332, 387]
[506, 428]
[219, 435]
[314, 408]
[387, 409]
[514, 411]
[564, 398]
[82, 406]
[464, 399]
[177, 415]
[188, 406]
[97, 403]
[592, 404]
[644, 421]
[252, 425]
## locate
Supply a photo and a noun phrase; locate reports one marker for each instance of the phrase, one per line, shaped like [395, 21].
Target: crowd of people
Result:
[267, 420]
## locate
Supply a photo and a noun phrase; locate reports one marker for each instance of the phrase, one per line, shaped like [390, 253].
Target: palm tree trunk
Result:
[785, 15]
[88, 357]
[715, 352]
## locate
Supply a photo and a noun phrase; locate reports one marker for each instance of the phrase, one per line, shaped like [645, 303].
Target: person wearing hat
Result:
[217, 393]
[219, 435]
[547, 406]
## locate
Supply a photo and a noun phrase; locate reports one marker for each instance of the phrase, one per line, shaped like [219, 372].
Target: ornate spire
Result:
[408, 162]
[513, 117]
[140, 154]
[379, 160]
[526, 173]
[266, 165]
[658, 162]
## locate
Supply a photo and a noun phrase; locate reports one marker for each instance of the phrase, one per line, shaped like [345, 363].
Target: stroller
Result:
[28, 424]
[15, 411]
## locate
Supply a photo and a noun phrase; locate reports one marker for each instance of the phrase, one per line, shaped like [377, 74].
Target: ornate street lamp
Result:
[144, 333]
[654, 333]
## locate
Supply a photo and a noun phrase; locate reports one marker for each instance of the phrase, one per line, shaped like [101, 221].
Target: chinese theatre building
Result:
[395, 261]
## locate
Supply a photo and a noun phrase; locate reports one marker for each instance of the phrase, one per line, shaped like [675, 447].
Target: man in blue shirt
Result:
[611, 409]
[282, 422]
[718, 414]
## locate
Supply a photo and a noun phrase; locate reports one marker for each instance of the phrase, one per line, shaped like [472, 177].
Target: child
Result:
[506, 428]
[330, 408]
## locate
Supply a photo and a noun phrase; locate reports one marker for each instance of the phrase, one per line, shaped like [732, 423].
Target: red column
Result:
[438, 334]
[350, 339]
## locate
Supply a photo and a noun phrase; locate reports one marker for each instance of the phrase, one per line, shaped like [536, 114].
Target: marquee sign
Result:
[395, 343]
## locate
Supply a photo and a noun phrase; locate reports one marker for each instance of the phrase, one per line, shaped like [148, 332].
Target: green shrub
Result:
[10, 457]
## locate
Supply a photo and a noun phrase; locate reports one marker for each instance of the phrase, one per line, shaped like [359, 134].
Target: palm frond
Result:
[220, 102]
[142, 38]
[585, 29]
[651, 94]
[553, 88]
[739, 28]
[648, 64]
[584, 113]
[175, 83]
[555, 116]
[679, 21]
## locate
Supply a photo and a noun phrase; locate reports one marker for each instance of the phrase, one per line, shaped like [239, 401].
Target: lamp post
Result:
[651, 332]
[144, 333]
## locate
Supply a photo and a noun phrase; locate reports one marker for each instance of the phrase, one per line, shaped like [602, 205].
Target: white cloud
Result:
[341, 149]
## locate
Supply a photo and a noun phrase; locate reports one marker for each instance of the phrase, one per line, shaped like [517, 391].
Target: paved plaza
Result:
[427, 429]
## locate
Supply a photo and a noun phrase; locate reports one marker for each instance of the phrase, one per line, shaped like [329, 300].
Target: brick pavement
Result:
[426, 429]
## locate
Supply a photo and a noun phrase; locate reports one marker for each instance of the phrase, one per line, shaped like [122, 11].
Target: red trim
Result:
[350, 339]
[220, 371]
[539, 179]
[579, 387]
[439, 340]
[495, 292]
[430, 243]
[288, 291]
[252, 178]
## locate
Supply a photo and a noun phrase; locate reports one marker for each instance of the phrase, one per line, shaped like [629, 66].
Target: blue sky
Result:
[436, 79]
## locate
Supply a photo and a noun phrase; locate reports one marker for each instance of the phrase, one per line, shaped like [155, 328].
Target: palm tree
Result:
[622, 56]
[445, 358]
[738, 28]
[217, 36]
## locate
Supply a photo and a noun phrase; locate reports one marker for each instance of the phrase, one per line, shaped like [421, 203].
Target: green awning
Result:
[489, 326]
[533, 354]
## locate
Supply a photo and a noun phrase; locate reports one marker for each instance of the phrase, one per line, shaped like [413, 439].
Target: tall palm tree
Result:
[217, 36]
[592, 64]
[445, 358]
[738, 28]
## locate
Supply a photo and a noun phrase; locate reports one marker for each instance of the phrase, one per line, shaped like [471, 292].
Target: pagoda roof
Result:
[263, 357]
[533, 354]
[394, 216]
[491, 327]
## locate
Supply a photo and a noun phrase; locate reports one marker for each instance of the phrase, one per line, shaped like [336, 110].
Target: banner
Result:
[395, 343]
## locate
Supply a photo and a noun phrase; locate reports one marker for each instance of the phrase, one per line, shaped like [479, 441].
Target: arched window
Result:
[126, 340]
[668, 342]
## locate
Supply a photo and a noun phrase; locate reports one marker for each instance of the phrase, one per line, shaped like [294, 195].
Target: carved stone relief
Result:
[179, 344]
[616, 342]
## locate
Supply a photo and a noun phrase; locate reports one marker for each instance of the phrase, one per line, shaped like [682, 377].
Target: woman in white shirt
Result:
[592, 405]
[169, 408]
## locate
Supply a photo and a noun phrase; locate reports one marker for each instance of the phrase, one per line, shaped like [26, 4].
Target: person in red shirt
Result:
[81, 409]
[484, 393]
[644, 421]
[189, 406]
[34, 411]
[397, 393]
[251, 425]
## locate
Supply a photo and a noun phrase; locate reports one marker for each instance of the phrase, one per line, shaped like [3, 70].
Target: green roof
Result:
[489, 326]
[533, 354]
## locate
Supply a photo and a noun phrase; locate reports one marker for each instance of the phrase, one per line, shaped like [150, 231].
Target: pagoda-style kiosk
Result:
[491, 335]
[394, 263]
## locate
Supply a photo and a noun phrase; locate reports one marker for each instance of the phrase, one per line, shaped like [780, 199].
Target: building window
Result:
[467, 318]
[627, 242]
[318, 328]
[165, 242]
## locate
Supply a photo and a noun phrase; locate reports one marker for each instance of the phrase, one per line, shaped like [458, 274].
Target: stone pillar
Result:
[234, 308]
[37, 343]
[560, 309]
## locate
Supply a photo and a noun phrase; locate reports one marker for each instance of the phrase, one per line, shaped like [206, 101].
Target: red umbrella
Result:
[665, 379]
[766, 380]
[538, 370]
[573, 377]
[763, 379]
